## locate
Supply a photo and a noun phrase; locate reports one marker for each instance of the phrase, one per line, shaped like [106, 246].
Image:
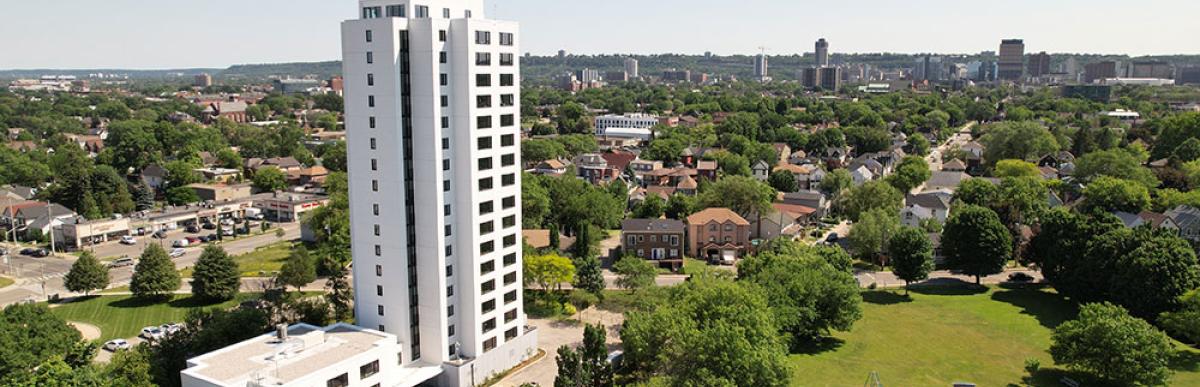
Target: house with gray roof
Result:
[1187, 218]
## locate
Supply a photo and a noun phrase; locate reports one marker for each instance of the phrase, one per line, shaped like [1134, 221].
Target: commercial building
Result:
[1188, 76]
[822, 52]
[761, 70]
[810, 77]
[1093, 72]
[831, 78]
[296, 86]
[202, 80]
[1012, 60]
[631, 68]
[1039, 64]
[432, 115]
[222, 192]
[588, 75]
[632, 120]
[677, 76]
[1151, 69]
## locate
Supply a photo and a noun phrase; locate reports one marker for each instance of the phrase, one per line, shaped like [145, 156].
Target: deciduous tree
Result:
[975, 242]
[1107, 342]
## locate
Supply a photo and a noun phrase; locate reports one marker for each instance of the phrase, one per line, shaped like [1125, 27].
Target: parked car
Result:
[176, 253]
[170, 328]
[212, 237]
[1020, 277]
[243, 230]
[27, 251]
[151, 333]
[227, 232]
[193, 240]
[209, 226]
[128, 240]
[193, 229]
[40, 253]
[160, 234]
[117, 345]
[122, 262]
[832, 238]
[180, 243]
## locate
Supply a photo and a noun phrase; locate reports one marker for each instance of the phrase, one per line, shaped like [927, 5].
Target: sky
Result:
[161, 34]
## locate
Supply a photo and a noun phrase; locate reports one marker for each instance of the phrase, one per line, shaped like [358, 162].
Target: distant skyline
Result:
[140, 34]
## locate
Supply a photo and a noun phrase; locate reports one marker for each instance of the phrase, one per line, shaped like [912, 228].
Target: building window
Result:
[446, 164]
[509, 316]
[445, 141]
[449, 250]
[450, 311]
[486, 207]
[483, 59]
[449, 271]
[487, 247]
[442, 35]
[450, 330]
[371, 12]
[506, 59]
[446, 210]
[488, 306]
[370, 101]
[378, 251]
[422, 11]
[506, 100]
[378, 270]
[510, 241]
[489, 325]
[370, 79]
[446, 13]
[483, 80]
[445, 125]
[506, 39]
[379, 309]
[377, 230]
[508, 180]
[511, 333]
[370, 57]
[468, 14]
[485, 163]
[445, 185]
[375, 185]
[508, 139]
[489, 344]
[484, 143]
[507, 120]
[370, 36]
[448, 230]
[372, 125]
[508, 160]
[443, 58]
[372, 143]
[379, 290]
[375, 208]
[510, 221]
[444, 80]
[506, 79]
[510, 259]
[487, 267]
[483, 122]
[483, 101]
[342, 380]
[511, 296]
[483, 37]
[395, 11]
[509, 202]
[487, 287]
[450, 291]
[510, 278]
[374, 165]
[445, 100]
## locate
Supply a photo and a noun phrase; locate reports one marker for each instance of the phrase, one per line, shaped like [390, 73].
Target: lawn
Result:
[262, 262]
[5, 282]
[941, 336]
[124, 317]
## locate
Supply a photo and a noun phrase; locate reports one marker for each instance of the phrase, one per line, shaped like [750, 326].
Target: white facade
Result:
[635, 121]
[432, 113]
[631, 67]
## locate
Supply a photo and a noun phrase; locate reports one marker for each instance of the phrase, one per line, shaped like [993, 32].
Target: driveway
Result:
[554, 334]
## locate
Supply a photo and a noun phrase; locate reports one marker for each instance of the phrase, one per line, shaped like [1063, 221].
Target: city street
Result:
[38, 278]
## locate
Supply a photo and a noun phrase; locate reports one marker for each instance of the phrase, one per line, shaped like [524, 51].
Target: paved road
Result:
[37, 279]
[885, 279]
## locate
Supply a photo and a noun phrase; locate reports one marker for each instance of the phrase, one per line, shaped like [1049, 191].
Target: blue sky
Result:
[147, 34]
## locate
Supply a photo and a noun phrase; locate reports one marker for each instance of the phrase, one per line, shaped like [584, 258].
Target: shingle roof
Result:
[720, 215]
[661, 225]
[927, 200]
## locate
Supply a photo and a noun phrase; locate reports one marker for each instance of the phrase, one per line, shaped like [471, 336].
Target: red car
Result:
[193, 240]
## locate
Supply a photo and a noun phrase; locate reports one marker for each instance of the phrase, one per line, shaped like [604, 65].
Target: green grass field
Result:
[5, 282]
[124, 317]
[262, 262]
[941, 336]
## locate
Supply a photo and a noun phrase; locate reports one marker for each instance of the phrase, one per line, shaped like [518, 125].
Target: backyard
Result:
[945, 335]
[124, 316]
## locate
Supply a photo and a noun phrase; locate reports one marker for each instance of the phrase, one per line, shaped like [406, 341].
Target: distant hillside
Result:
[320, 70]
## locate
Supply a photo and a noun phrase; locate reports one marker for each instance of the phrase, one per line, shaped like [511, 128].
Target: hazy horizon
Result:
[136, 35]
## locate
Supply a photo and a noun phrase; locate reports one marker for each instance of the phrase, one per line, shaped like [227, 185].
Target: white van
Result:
[180, 243]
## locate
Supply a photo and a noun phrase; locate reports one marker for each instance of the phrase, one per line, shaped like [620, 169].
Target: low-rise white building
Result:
[636, 121]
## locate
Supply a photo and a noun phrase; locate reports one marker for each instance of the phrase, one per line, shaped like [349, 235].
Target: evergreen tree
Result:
[154, 275]
[87, 274]
[588, 276]
[554, 242]
[594, 356]
[298, 270]
[216, 277]
[340, 294]
[570, 369]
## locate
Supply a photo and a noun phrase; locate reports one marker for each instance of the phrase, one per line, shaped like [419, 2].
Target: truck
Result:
[254, 213]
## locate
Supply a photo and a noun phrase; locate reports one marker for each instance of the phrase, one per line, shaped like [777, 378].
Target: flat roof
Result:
[308, 349]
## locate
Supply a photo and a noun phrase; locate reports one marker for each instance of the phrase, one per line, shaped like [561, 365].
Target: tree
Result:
[204, 331]
[269, 179]
[31, 335]
[1024, 140]
[298, 270]
[870, 235]
[808, 296]
[1118, 163]
[570, 368]
[216, 277]
[835, 182]
[1060, 250]
[588, 276]
[977, 192]
[338, 290]
[1111, 194]
[1144, 270]
[1187, 151]
[588, 365]
[911, 254]
[129, 368]
[537, 150]
[744, 195]
[154, 275]
[555, 241]
[1183, 322]
[911, 173]
[144, 198]
[975, 242]
[870, 196]
[1016, 168]
[634, 273]
[868, 139]
[709, 332]
[679, 207]
[178, 196]
[1107, 342]
[783, 181]
[87, 274]
[651, 208]
[548, 270]
[334, 158]
[919, 145]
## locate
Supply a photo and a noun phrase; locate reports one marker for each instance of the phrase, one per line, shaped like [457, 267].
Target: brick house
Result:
[658, 240]
[718, 234]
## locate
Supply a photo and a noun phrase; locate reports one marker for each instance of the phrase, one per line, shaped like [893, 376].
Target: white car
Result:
[180, 243]
[170, 328]
[128, 240]
[176, 253]
[151, 333]
[117, 345]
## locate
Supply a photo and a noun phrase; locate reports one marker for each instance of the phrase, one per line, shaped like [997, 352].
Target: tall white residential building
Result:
[432, 105]
[631, 68]
[761, 67]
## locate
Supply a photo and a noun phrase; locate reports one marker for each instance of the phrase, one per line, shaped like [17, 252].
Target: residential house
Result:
[861, 175]
[284, 164]
[836, 157]
[799, 158]
[926, 205]
[314, 176]
[784, 151]
[954, 165]
[17, 192]
[89, 143]
[807, 198]
[154, 175]
[553, 167]
[1146, 218]
[945, 179]
[783, 221]
[38, 218]
[640, 167]
[974, 153]
[14, 133]
[22, 146]
[658, 240]
[220, 175]
[808, 176]
[707, 169]
[718, 234]
[1187, 218]
[761, 170]
[618, 160]
[208, 159]
[593, 168]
